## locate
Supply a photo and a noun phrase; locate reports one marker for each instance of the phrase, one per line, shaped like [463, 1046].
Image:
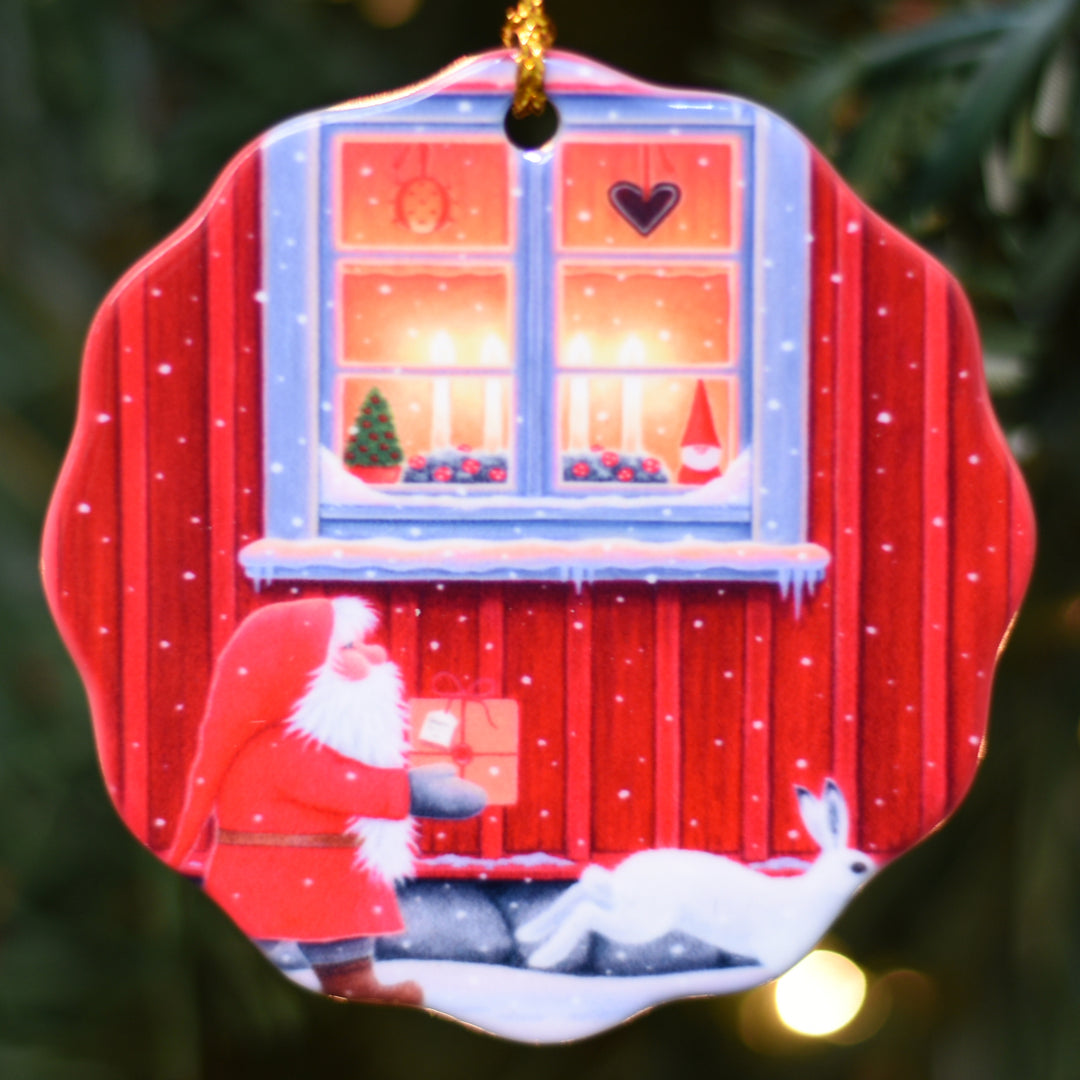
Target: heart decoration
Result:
[644, 212]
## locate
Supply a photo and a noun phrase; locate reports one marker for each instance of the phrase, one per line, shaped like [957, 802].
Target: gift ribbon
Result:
[449, 686]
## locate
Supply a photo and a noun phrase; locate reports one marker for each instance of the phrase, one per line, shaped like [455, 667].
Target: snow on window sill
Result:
[340, 490]
[798, 567]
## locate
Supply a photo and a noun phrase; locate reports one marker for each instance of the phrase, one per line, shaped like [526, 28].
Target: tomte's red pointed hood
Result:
[261, 674]
[700, 427]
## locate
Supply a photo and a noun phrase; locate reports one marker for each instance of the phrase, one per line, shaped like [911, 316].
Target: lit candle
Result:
[632, 355]
[579, 355]
[441, 354]
[493, 355]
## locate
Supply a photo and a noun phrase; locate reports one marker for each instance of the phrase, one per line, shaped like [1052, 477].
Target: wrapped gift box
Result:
[476, 733]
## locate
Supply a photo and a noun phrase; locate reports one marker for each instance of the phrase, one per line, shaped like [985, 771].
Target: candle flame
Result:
[632, 352]
[442, 352]
[493, 352]
[579, 352]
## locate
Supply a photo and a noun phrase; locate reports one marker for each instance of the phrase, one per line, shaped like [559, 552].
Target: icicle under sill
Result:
[795, 568]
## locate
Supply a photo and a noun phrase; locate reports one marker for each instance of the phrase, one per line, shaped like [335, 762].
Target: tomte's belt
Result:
[269, 839]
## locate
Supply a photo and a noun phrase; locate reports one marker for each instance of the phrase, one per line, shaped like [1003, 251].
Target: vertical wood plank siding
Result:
[674, 714]
[979, 561]
[667, 711]
[936, 539]
[179, 533]
[804, 743]
[92, 584]
[133, 601]
[623, 649]
[551, 685]
[847, 275]
[223, 327]
[490, 667]
[893, 413]
[713, 674]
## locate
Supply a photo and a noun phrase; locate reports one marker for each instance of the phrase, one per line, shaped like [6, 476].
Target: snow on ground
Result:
[546, 1007]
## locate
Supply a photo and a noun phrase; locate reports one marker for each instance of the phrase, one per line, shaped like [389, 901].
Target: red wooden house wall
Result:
[670, 714]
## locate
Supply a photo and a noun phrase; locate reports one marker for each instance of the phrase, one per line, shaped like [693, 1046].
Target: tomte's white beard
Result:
[365, 720]
[701, 458]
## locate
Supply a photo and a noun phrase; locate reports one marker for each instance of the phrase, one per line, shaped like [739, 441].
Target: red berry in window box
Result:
[651, 465]
[581, 468]
[625, 475]
[417, 461]
[497, 475]
[471, 466]
[609, 459]
[443, 474]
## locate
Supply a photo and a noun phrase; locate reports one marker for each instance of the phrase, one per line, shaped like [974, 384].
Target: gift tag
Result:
[439, 727]
[645, 475]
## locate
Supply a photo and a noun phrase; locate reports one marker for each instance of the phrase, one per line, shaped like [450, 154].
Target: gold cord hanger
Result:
[529, 29]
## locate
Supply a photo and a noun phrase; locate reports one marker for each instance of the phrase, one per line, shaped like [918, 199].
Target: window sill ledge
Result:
[797, 566]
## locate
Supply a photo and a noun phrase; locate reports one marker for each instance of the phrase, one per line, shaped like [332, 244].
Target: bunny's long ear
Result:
[838, 821]
[813, 814]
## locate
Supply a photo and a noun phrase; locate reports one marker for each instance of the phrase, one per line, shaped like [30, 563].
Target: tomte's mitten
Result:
[436, 791]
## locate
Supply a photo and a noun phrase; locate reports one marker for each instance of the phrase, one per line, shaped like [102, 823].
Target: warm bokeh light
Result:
[821, 994]
[389, 13]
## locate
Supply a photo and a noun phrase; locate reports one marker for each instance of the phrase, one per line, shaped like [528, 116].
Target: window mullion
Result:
[535, 317]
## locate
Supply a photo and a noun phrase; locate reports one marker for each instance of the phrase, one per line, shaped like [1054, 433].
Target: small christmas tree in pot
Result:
[373, 452]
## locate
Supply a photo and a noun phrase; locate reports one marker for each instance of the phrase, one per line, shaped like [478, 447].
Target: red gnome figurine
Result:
[302, 762]
[701, 446]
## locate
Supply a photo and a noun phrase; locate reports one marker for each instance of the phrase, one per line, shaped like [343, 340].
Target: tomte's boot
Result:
[356, 981]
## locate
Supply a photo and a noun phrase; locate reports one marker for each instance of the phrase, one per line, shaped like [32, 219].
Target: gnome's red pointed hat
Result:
[264, 670]
[700, 426]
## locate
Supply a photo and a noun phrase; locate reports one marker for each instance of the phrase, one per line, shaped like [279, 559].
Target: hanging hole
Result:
[530, 132]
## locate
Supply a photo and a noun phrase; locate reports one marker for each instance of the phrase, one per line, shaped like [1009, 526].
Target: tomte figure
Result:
[302, 764]
[701, 447]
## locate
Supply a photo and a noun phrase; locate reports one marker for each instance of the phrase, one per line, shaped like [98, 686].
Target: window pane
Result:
[652, 195]
[451, 429]
[667, 317]
[453, 194]
[647, 432]
[428, 317]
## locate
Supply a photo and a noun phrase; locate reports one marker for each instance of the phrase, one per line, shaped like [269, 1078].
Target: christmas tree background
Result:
[958, 121]
[373, 441]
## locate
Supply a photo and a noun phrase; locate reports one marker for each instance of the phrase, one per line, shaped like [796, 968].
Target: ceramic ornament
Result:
[536, 584]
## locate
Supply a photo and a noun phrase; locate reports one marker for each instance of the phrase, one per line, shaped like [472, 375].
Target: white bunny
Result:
[746, 913]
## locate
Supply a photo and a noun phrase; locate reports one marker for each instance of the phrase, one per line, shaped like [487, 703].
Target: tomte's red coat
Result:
[709, 703]
[253, 777]
[284, 784]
